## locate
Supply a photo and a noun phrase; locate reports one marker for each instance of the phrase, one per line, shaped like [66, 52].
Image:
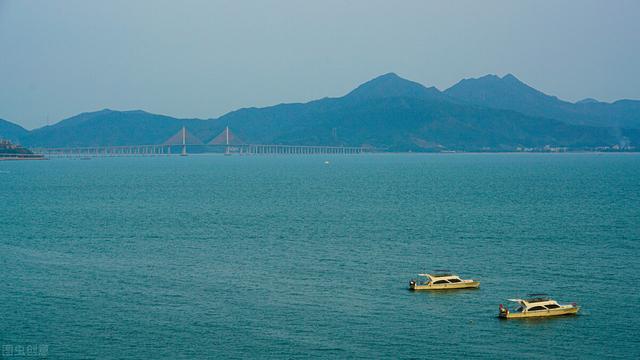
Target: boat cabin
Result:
[535, 302]
[440, 278]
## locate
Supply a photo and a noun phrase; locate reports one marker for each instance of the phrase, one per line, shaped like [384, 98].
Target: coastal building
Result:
[11, 151]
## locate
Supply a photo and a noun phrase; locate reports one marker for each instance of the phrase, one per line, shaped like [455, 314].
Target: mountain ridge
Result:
[392, 85]
[12, 131]
[388, 112]
[509, 93]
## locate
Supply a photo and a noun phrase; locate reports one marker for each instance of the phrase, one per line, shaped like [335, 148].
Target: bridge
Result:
[180, 143]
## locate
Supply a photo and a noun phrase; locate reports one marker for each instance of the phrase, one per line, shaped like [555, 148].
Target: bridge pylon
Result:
[226, 137]
[183, 138]
[184, 142]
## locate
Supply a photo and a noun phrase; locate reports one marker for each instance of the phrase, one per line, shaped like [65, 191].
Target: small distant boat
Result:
[442, 280]
[326, 162]
[537, 305]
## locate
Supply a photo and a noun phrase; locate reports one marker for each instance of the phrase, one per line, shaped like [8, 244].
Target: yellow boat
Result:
[441, 281]
[538, 305]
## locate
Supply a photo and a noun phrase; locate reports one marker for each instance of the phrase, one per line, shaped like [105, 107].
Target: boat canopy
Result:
[437, 275]
[530, 302]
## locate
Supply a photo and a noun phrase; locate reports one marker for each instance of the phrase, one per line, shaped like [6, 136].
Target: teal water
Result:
[286, 257]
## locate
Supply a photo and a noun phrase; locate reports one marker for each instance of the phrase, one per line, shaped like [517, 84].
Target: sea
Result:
[216, 257]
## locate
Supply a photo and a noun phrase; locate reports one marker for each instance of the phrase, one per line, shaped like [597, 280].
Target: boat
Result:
[537, 305]
[441, 280]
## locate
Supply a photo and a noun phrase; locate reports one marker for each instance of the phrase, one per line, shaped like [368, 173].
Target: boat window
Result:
[553, 306]
[537, 308]
[440, 282]
[454, 280]
[539, 299]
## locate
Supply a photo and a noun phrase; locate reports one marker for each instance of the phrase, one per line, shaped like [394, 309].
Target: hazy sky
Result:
[205, 58]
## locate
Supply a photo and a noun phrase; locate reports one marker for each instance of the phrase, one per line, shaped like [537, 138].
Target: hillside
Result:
[388, 112]
[512, 94]
[109, 127]
[12, 132]
[411, 117]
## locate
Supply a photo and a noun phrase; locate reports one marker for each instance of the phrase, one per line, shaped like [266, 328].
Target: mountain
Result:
[11, 131]
[588, 101]
[313, 122]
[413, 124]
[512, 94]
[392, 85]
[109, 127]
[396, 114]
[388, 112]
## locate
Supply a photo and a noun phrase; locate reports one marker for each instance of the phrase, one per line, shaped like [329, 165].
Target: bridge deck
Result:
[242, 149]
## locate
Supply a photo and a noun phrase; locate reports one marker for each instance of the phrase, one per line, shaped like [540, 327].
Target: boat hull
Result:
[462, 285]
[542, 313]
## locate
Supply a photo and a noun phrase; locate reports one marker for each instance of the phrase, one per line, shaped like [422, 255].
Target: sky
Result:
[205, 58]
